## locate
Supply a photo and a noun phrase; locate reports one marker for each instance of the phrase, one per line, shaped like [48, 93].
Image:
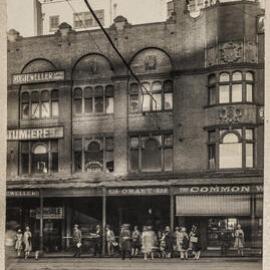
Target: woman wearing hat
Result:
[195, 242]
[77, 240]
[125, 241]
[239, 240]
[27, 240]
[184, 243]
[19, 242]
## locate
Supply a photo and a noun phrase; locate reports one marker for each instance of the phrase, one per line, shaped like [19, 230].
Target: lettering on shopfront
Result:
[35, 134]
[138, 191]
[37, 77]
[219, 189]
[22, 193]
[48, 213]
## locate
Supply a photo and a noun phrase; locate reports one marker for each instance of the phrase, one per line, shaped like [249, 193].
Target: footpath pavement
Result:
[133, 264]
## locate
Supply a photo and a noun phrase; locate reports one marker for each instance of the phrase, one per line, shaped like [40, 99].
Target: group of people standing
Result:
[24, 243]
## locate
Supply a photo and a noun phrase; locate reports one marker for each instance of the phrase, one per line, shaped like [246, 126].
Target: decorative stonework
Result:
[230, 115]
[150, 62]
[251, 55]
[231, 52]
[212, 58]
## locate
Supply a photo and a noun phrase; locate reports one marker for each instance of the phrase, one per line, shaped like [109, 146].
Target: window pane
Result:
[146, 103]
[249, 155]
[134, 159]
[134, 103]
[88, 105]
[109, 104]
[145, 88]
[24, 163]
[212, 156]
[94, 157]
[230, 138]
[168, 86]
[168, 101]
[249, 134]
[230, 155]
[78, 161]
[156, 102]
[40, 159]
[151, 156]
[168, 159]
[78, 105]
[35, 97]
[236, 92]
[98, 104]
[249, 92]
[212, 95]
[237, 76]
[45, 110]
[157, 86]
[224, 94]
[25, 97]
[25, 111]
[249, 76]
[35, 110]
[45, 95]
[224, 77]
[55, 109]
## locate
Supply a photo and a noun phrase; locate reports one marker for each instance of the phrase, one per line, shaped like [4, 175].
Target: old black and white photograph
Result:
[135, 134]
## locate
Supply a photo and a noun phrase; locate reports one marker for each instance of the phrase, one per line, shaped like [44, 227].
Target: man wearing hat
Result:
[77, 240]
[125, 241]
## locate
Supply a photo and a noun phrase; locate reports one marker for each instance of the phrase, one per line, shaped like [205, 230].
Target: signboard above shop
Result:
[35, 133]
[38, 77]
[22, 193]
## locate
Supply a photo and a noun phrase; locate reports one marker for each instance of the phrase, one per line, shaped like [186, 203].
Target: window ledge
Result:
[231, 104]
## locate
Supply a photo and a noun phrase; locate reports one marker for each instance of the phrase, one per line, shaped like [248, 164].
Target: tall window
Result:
[54, 22]
[231, 148]
[230, 87]
[94, 99]
[151, 153]
[39, 104]
[92, 154]
[151, 96]
[39, 157]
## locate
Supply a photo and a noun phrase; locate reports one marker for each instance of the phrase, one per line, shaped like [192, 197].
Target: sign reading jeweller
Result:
[38, 77]
[22, 193]
[35, 133]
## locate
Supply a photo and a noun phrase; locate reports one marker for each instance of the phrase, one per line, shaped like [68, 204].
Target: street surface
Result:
[134, 264]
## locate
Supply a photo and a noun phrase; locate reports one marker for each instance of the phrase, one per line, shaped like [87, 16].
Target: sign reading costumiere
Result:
[35, 133]
[37, 77]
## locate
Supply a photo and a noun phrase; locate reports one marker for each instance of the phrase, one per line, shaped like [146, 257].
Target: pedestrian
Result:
[184, 243]
[125, 241]
[77, 240]
[169, 242]
[149, 241]
[177, 235]
[110, 240]
[162, 245]
[136, 241]
[27, 240]
[225, 239]
[98, 241]
[19, 242]
[239, 240]
[195, 242]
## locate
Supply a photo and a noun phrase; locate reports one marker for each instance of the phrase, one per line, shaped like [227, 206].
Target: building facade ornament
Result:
[230, 115]
[231, 52]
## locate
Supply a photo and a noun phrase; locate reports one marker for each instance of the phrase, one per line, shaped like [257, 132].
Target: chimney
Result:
[38, 20]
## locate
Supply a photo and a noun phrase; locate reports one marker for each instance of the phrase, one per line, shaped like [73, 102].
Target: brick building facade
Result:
[88, 145]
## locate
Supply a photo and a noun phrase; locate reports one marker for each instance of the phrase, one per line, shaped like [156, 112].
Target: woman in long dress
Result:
[239, 240]
[19, 242]
[149, 240]
[27, 239]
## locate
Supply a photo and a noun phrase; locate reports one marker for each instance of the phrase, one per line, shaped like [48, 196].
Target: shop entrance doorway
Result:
[140, 211]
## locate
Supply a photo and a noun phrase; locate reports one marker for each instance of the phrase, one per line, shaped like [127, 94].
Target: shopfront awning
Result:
[213, 205]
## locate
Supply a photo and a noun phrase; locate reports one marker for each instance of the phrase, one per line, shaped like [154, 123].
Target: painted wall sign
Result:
[35, 133]
[240, 189]
[22, 193]
[37, 77]
[138, 191]
[48, 213]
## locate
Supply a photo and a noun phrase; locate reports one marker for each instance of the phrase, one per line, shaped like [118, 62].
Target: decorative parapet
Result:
[232, 52]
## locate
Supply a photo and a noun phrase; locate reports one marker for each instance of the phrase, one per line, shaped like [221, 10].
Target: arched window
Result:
[25, 105]
[151, 155]
[134, 97]
[230, 151]
[168, 95]
[237, 85]
[40, 158]
[99, 103]
[224, 88]
[109, 99]
[156, 100]
[88, 99]
[77, 95]
[146, 99]
[45, 104]
[93, 156]
[249, 86]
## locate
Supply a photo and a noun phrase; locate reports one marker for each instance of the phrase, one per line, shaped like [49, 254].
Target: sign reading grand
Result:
[38, 77]
[35, 133]
[235, 189]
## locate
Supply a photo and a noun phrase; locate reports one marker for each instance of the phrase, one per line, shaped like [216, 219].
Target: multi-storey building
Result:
[90, 144]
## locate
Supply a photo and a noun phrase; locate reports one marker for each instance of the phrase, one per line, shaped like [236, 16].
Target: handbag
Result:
[193, 239]
[79, 245]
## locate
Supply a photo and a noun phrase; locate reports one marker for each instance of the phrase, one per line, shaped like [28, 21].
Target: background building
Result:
[87, 144]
